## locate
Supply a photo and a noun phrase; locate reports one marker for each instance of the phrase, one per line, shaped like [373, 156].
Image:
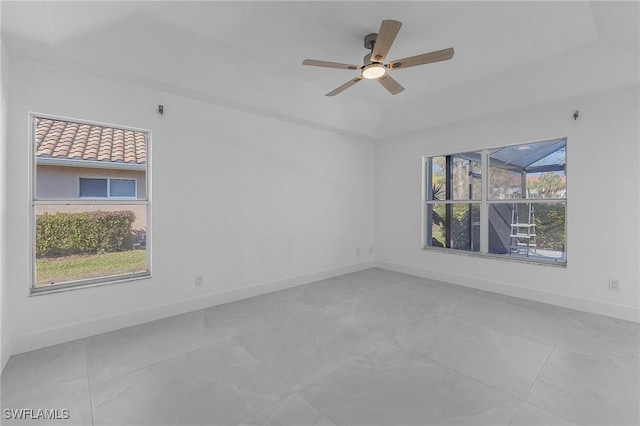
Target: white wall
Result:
[250, 202]
[603, 203]
[5, 349]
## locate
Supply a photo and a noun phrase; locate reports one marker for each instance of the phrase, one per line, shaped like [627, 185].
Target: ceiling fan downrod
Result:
[369, 43]
[370, 40]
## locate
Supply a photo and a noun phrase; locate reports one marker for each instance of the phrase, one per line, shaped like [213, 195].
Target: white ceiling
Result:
[248, 55]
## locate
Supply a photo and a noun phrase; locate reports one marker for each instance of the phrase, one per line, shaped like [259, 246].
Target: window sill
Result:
[82, 284]
[508, 258]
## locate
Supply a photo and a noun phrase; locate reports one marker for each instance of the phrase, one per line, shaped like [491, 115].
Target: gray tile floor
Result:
[368, 348]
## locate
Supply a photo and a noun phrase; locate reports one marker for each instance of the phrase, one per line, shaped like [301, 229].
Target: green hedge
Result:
[62, 234]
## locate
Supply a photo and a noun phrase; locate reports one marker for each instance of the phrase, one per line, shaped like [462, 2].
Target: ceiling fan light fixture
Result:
[373, 71]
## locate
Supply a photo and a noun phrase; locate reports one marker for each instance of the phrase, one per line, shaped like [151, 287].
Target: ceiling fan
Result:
[374, 68]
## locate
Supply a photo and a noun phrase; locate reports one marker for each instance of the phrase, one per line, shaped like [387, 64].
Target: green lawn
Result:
[71, 268]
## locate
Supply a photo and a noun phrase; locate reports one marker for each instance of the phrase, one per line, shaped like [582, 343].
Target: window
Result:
[508, 201]
[107, 188]
[90, 203]
[453, 195]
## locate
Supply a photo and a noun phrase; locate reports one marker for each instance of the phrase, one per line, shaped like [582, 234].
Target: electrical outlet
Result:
[370, 249]
[199, 280]
[614, 285]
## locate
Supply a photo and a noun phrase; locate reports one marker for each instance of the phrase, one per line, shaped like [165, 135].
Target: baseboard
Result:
[5, 352]
[628, 313]
[67, 333]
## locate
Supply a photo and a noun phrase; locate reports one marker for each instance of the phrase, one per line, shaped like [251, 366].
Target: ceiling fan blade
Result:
[390, 84]
[314, 63]
[386, 35]
[345, 86]
[426, 58]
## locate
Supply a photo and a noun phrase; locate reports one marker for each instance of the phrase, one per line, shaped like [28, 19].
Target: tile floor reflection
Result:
[369, 348]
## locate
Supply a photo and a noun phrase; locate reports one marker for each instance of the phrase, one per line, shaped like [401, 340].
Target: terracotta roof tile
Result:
[117, 149]
[129, 146]
[69, 140]
[106, 140]
[43, 128]
[80, 142]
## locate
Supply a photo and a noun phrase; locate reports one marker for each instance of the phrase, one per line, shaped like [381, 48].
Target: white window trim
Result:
[109, 179]
[35, 201]
[484, 203]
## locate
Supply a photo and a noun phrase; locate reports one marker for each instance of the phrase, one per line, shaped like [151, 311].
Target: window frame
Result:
[485, 202]
[109, 197]
[449, 201]
[35, 201]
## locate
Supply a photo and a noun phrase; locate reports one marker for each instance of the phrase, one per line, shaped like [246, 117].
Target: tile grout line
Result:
[541, 369]
[322, 413]
[445, 315]
[454, 371]
[447, 312]
[155, 363]
[514, 415]
[250, 416]
[231, 335]
[86, 357]
[283, 401]
[384, 341]
[534, 382]
[305, 384]
[550, 413]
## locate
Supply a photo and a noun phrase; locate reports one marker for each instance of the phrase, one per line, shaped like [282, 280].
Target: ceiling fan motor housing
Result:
[370, 40]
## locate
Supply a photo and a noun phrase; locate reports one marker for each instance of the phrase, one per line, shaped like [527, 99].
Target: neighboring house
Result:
[76, 160]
